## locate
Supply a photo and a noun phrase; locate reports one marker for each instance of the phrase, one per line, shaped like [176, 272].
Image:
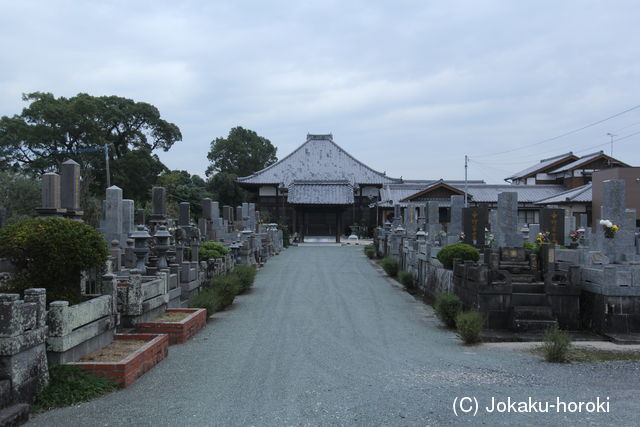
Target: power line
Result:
[562, 135]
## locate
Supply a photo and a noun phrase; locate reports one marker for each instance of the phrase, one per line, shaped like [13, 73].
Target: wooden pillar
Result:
[338, 225]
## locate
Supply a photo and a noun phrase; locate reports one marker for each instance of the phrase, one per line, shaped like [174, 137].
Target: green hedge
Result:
[459, 250]
[222, 290]
[52, 253]
[370, 251]
[406, 279]
[70, 385]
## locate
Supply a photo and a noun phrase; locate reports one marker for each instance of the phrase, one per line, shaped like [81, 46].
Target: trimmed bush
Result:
[469, 326]
[406, 279]
[52, 253]
[370, 251]
[534, 248]
[69, 385]
[390, 266]
[556, 345]
[459, 250]
[246, 274]
[447, 307]
[212, 250]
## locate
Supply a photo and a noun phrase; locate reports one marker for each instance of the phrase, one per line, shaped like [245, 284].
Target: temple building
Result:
[319, 189]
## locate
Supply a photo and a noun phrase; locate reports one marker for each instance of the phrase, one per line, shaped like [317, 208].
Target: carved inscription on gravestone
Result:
[552, 221]
[474, 221]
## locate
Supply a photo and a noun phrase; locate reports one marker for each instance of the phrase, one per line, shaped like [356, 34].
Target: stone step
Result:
[514, 264]
[532, 312]
[14, 415]
[528, 288]
[522, 278]
[522, 325]
[528, 299]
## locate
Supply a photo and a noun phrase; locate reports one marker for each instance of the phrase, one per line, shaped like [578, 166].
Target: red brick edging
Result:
[126, 371]
[179, 332]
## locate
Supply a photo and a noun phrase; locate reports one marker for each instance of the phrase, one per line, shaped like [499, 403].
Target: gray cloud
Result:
[409, 87]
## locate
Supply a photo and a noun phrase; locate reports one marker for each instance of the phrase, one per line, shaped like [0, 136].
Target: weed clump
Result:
[447, 307]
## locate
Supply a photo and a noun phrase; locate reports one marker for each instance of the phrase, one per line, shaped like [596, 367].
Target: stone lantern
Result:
[140, 248]
[162, 237]
[421, 236]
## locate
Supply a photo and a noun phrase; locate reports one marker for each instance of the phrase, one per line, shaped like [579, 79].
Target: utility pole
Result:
[611, 136]
[466, 166]
[106, 160]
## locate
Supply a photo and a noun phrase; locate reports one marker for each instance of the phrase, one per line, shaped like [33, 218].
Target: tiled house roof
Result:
[318, 159]
[581, 194]
[543, 166]
[320, 193]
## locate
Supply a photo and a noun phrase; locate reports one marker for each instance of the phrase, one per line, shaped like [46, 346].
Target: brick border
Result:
[179, 332]
[126, 371]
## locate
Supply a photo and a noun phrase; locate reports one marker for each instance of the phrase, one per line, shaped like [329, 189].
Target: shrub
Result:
[469, 325]
[52, 253]
[390, 266]
[534, 248]
[246, 274]
[556, 345]
[406, 279]
[370, 251]
[459, 250]
[447, 307]
[212, 250]
[69, 385]
[206, 299]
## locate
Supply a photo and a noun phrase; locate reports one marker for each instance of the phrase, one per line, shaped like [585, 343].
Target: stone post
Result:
[128, 225]
[185, 214]
[433, 221]
[70, 189]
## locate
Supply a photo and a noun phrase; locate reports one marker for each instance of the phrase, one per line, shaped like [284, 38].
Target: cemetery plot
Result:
[146, 352]
[179, 323]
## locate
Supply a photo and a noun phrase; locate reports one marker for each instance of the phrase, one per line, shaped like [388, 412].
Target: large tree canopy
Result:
[51, 130]
[183, 187]
[242, 153]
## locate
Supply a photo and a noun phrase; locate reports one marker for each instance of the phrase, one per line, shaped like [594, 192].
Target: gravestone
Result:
[239, 222]
[569, 227]
[397, 216]
[455, 225]
[433, 220]
[507, 220]
[474, 222]
[583, 221]
[185, 214]
[158, 205]
[252, 216]
[70, 189]
[51, 205]
[617, 248]
[534, 230]
[113, 215]
[207, 208]
[128, 225]
[227, 213]
[140, 217]
[552, 221]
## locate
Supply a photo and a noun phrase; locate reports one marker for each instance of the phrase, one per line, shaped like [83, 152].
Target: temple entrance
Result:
[318, 221]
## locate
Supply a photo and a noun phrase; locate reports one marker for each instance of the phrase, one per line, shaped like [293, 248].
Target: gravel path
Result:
[325, 339]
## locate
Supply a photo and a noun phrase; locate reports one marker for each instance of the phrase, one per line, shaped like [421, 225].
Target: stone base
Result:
[14, 415]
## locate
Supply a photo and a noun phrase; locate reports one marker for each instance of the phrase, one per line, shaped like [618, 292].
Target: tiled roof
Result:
[581, 194]
[319, 159]
[391, 194]
[320, 193]
[583, 161]
[543, 164]
[488, 193]
[483, 193]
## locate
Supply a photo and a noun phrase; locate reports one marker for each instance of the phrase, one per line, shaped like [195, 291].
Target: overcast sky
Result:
[407, 87]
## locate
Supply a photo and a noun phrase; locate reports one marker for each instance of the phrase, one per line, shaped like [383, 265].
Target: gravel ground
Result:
[325, 339]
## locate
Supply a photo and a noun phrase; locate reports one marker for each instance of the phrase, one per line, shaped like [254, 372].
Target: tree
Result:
[226, 190]
[51, 130]
[242, 153]
[20, 195]
[183, 187]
